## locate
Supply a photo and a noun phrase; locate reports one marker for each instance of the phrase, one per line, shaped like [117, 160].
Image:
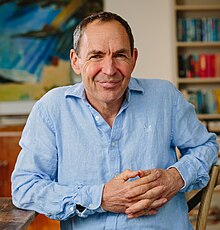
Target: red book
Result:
[202, 66]
[210, 65]
[217, 65]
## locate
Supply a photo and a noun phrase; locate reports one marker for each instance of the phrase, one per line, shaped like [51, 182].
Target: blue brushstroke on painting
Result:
[25, 55]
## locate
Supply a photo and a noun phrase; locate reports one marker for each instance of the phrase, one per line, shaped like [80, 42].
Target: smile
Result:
[109, 84]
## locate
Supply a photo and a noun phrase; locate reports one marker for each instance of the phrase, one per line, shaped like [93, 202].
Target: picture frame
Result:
[36, 38]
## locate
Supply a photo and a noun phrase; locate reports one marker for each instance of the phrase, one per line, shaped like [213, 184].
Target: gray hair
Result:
[102, 17]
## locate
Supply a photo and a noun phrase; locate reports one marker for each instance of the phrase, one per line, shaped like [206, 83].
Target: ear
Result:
[134, 57]
[74, 61]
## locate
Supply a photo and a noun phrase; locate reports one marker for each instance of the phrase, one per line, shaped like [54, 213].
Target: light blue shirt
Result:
[69, 152]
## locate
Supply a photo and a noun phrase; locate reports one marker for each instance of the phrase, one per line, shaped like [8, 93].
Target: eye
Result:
[95, 57]
[120, 56]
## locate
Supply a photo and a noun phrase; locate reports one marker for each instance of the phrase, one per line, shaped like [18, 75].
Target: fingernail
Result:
[127, 212]
[158, 173]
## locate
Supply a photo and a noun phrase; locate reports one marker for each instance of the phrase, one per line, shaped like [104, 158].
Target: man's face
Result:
[104, 62]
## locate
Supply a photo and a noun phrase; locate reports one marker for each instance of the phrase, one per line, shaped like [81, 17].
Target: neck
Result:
[108, 111]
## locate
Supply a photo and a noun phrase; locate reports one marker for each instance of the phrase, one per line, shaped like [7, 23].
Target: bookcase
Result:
[197, 57]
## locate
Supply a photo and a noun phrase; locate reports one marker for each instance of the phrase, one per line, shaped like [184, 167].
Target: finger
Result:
[142, 213]
[155, 192]
[146, 202]
[138, 208]
[127, 174]
[147, 191]
[138, 192]
[143, 173]
[159, 203]
[146, 179]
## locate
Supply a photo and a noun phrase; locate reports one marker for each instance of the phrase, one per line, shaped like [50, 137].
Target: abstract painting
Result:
[35, 40]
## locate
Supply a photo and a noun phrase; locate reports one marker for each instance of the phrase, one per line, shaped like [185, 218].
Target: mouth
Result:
[108, 84]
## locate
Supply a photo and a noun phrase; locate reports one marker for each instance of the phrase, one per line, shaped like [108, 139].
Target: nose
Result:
[108, 67]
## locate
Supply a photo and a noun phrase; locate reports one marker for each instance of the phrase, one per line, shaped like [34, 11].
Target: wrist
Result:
[177, 177]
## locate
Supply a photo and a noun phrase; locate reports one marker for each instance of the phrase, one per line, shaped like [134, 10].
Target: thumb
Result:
[143, 173]
[127, 174]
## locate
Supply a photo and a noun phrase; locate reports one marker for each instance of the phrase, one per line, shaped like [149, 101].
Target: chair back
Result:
[204, 196]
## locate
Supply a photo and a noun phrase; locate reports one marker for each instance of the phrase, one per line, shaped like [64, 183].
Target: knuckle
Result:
[147, 203]
[127, 195]
[150, 194]
[127, 170]
[143, 189]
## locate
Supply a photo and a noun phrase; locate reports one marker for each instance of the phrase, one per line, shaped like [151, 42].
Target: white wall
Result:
[152, 25]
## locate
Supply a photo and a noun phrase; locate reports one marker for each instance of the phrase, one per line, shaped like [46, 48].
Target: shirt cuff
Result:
[90, 198]
[190, 173]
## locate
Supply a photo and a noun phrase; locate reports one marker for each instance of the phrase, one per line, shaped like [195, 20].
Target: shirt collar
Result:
[78, 89]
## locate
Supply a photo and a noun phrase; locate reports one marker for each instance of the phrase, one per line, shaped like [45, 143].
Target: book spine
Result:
[196, 65]
[190, 66]
[198, 29]
[210, 65]
[204, 30]
[182, 65]
[217, 65]
[202, 66]
[180, 30]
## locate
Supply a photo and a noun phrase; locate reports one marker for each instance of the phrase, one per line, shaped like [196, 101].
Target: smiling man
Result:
[105, 62]
[101, 154]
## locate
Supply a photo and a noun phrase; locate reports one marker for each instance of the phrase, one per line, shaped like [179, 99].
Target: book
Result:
[210, 102]
[202, 66]
[196, 65]
[190, 66]
[198, 29]
[182, 65]
[217, 65]
[210, 65]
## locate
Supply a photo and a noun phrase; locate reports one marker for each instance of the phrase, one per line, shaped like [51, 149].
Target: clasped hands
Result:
[144, 195]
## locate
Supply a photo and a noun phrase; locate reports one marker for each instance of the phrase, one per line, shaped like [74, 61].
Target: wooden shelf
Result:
[209, 116]
[197, 7]
[198, 44]
[199, 80]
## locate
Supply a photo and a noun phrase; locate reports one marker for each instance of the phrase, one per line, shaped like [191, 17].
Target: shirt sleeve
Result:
[198, 147]
[34, 179]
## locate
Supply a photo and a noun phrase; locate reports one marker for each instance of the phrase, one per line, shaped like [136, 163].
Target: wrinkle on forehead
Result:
[106, 37]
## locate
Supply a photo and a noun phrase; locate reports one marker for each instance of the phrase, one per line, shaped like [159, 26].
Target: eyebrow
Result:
[122, 51]
[95, 52]
[116, 52]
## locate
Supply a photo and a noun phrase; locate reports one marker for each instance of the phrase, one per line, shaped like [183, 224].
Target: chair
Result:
[204, 197]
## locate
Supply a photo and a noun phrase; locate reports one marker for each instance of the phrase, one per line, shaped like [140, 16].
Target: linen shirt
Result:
[69, 152]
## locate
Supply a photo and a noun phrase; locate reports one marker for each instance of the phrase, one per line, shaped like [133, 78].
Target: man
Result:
[101, 154]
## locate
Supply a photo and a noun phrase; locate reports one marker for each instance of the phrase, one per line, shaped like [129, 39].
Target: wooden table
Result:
[12, 218]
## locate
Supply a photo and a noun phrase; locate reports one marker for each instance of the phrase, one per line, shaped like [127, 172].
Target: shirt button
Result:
[96, 118]
[112, 158]
[71, 209]
[113, 144]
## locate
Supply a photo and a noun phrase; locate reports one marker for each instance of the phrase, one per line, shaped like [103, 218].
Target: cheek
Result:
[125, 69]
[91, 70]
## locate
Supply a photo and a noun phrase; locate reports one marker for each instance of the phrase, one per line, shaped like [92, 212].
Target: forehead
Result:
[104, 34]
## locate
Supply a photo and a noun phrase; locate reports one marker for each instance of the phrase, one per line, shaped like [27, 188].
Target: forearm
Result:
[56, 201]
[33, 189]
[195, 164]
